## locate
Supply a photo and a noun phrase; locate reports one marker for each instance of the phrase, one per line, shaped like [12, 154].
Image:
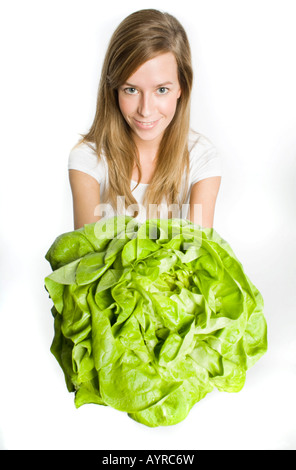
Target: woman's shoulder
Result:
[204, 158]
[199, 144]
[83, 157]
[84, 148]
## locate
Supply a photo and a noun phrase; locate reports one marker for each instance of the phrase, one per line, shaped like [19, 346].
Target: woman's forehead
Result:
[158, 71]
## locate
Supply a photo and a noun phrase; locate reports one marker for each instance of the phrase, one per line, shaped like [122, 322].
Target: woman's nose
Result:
[146, 105]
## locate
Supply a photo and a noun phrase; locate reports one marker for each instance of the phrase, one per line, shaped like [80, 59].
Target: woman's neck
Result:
[147, 159]
[147, 149]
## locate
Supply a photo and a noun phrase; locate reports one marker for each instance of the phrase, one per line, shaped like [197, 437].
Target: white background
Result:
[244, 100]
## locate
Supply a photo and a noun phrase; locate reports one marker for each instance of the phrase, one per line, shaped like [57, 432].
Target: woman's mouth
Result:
[146, 124]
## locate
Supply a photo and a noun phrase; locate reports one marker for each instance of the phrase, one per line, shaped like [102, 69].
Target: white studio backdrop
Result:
[244, 100]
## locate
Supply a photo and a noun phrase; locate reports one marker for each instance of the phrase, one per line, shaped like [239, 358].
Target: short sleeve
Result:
[205, 160]
[83, 158]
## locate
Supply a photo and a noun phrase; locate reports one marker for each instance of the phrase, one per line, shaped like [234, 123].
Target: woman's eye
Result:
[130, 91]
[162, 90]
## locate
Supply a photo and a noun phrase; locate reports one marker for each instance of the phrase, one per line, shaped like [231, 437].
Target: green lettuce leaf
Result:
[149, 318]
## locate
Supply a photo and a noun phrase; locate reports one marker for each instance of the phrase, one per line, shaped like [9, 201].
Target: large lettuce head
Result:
[150, 317]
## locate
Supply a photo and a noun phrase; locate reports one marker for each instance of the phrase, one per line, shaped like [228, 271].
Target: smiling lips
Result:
[146, 125]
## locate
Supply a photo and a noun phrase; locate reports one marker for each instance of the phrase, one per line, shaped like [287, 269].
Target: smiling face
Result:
[148, 99]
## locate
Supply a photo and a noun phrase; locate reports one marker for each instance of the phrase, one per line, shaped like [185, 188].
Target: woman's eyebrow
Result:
[156, 86]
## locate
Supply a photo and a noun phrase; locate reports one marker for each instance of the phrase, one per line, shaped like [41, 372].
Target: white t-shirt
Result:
[204, 162]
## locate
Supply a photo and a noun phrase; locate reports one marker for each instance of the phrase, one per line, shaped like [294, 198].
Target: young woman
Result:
[140, 156]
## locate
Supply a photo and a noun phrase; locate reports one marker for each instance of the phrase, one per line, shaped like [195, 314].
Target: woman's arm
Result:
[203, 200]
[86, 196]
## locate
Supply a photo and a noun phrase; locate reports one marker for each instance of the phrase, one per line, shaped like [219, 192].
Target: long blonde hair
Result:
[142, 36]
